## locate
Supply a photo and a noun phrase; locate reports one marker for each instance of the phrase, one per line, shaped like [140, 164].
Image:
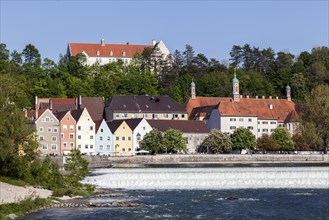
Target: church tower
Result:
[288, 93]
[235, 87]
[193, 90]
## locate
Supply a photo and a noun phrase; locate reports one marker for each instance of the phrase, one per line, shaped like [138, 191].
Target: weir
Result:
[211, 178]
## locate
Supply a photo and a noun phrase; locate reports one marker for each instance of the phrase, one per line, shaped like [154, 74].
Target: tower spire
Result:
[193, 90]
[235, 87]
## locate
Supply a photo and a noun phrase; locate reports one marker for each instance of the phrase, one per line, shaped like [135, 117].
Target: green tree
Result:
[243, 138]
[315, 117]
[266, 143]
[153, 142]
[217, 142]
[173, 141]
[301, 141]
[283, 139]
[77, 167]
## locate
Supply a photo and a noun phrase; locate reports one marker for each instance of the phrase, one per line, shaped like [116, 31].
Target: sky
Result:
[210, 27]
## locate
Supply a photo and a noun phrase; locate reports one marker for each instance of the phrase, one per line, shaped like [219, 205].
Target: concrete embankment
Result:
[225, 159]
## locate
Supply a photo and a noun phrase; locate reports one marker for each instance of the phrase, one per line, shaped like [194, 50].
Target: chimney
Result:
[263, 97]
[270, 97]
[80, 101]
[256, 97]
[247, 96]
[127, 43]
[102, 42]
[277, 97]
[154, 42]
[241, 96]
[36, 106]
[270, 106]
[51, 104]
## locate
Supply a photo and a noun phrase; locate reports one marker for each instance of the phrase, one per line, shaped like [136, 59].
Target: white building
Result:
[104, 139]
[85, 131]
[103, 53]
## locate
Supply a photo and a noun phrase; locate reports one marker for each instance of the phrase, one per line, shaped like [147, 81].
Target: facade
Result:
[194, 132]
[104, 139]
[67, 126]
[148, 107]
[123, 144]
[140, 127]
[103, 53]
[85, 131]
[48, 133]
[259, 115]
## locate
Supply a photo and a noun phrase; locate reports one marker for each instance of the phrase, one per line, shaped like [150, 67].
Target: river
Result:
[206, 193]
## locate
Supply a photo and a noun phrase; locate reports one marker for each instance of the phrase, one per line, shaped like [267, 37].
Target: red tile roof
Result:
[95, 106]
[204, 105]
[260, 108]
[104, 51]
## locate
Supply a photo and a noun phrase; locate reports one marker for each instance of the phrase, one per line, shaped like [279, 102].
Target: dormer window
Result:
[98, 53]
[124, 53]
[111, 53]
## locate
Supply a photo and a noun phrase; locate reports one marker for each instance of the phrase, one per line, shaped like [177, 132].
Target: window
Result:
[108, 138]
[250, 119]
[64, 144]
[68, 118]
[91, 137]
[265, 130]
[53, 139]
[86, 146]
[273, 123]
[44, 146]
[186, 140]
[91, 146]
[133, 116]
[71, 136]
[54, 146]
[258, 122]
[129, 138]
[232, 127]
[111, 53]
[79, 128]
[144, 115]
[100, 138]
[79, 146]
[232, 119]
[47, 119]
[71, 127]
[124, 53]
[241, 119]
[117, 138]
[183, 116]
[117, 116]
[41, 129]
[123, 149]
[272, 130]
[129, 149]
[41, 138]
[101, 129]
[108, 147]
[250, 127]
[175, 115]
[49, 130]
[101, 147]
[124, 115]
[42, 120]
[265, 122]
[123, 138]
[64, 127]
[91, 128]
[55, 130]
[165, 115]
[79, 137]
[124, 128]
[97, 53]
[258, 130]
[138, 137]
[144, 128]
[71, 145]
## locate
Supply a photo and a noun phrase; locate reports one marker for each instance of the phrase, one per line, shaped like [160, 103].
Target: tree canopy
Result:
[217, 142]
[243, 138]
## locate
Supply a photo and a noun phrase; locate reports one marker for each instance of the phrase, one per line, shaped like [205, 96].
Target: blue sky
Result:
[210, 27]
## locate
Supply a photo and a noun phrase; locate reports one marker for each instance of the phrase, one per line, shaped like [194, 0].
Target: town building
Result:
[48, 133]
[193, 132]
[259, 115]
[104, 139]
[148, 107]
[103, 53]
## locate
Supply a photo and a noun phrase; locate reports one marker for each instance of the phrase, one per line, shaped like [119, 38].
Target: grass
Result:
[23, 207]
[16, 182]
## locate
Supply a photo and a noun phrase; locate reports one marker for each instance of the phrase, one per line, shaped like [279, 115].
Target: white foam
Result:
[211, 178]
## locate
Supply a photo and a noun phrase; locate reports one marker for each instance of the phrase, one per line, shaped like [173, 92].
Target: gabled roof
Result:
[276, 109]
[98, 124]
[160, 104]
[113, 125]
[76, 114]
[186, 126]
[44, 112]
[133, 123]
[31, 113]
[57, 104]
[95, 106]
[60, 115]
[118, 50]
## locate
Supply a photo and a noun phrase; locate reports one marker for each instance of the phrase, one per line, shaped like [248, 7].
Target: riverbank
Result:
[203, 159]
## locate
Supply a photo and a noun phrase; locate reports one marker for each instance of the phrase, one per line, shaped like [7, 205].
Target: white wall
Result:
[142, 128]
[104, 140]
[87, 130]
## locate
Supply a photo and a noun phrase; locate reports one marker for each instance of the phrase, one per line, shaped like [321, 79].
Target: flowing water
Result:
[206, 193]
